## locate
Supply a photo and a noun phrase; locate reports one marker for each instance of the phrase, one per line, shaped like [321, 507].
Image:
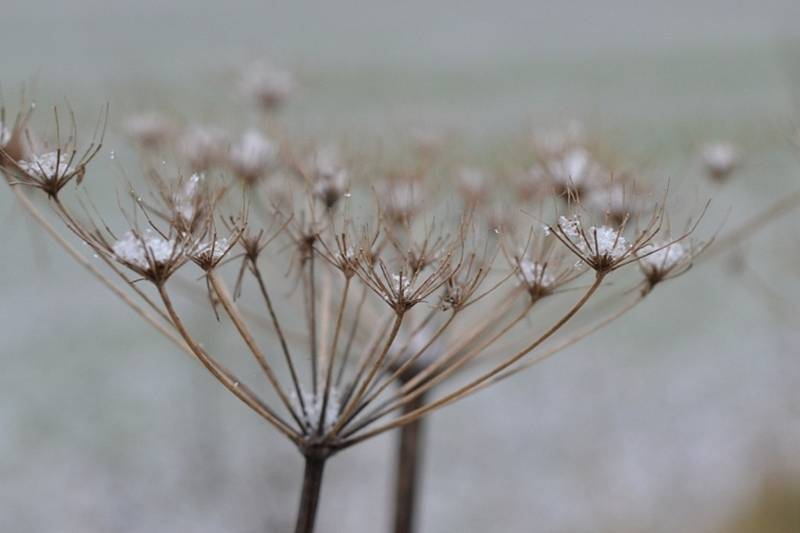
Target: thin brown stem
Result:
[466, 340]
[97, 273]
[279, 331]
[409, 394]
[754, 225]
[366, 353]
[406, 366]
[332, 357]
[312, 302]
[310, 492]
[348, 411]
[352, 335]
[577, 337]
[477, 382]
[230, 381]
[244, 332]
[407, 470]
[72, 224]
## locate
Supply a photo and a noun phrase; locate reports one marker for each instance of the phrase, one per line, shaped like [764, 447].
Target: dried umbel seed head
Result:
[187, 201]
[663, 260]
[49, 167]
[573, 172]
[341, 253]
[536, 277]
[209, 253]
[400, 200]
[50, 171]
[615, 200]
[140, 249]
[720, 159]
[610, 199]
[358, 333]
[148, 253]
[252, 157]
[150, 130]
[17, 142]
[472, 184]
[462, 285]
[329, 178]
[267, 84]
[204, 148]
[403, 288]
[600, 247]
[543, 265]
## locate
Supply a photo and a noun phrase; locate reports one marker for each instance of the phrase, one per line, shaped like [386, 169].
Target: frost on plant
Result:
[48, 166]
[311, 408]
[573, 170]
[252, 156]
[330, 177]
[599, 242]
[210, 253]
[267, 84]
[662, 257]
[535, 274]
[140, 249]
[185, 198]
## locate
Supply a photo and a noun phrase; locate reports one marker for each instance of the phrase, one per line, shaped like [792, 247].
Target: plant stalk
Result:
[408, 469]
[309, 494]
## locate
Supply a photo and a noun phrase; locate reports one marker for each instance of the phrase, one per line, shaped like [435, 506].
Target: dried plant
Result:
[365, 304]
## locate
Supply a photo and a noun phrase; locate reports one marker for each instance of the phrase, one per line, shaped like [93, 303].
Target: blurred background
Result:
[684, 416]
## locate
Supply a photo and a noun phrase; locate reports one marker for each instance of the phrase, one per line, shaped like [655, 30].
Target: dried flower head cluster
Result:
[720, 159]
[367, 283]
[372, 294]
[33, 161]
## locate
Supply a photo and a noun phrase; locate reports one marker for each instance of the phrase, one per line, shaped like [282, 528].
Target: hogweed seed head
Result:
[150, 130]
[720, 159]
[574, 171]
[600, 247]
[267, 84]
[406, 276]
[252, 157]
[143, 250]
[49, 166]
[664, 260]
[204, 147]
[472, 184]
[536, 276]
[330, 187]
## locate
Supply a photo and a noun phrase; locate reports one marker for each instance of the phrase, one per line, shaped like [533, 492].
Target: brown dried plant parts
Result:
[407, 303]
